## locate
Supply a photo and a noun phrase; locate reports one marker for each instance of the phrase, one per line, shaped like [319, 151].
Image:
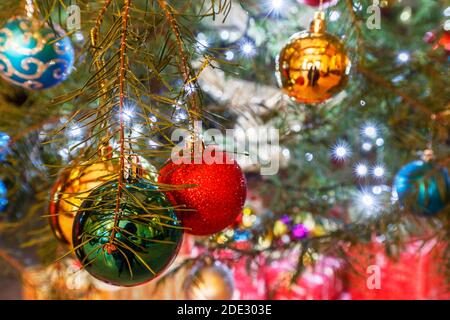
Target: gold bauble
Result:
[75, 183]
[72, 187]
[313, 66]
[209, 282]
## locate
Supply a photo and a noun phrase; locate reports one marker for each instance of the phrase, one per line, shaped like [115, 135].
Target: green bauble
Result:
[145, 242]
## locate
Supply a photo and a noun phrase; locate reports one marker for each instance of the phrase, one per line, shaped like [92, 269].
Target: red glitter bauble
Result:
[215, 197]
[316, 3]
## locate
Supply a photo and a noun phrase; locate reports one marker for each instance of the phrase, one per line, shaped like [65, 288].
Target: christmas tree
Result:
[272, 148]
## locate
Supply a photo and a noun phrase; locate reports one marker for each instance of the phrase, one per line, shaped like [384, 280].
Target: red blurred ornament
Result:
[444, 42]
[248, 273]
[417, 274]
[316, 3]
[215, 196]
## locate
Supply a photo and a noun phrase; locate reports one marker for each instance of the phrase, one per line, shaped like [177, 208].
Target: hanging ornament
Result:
[209, 281]
[314, 65]
[3, 196]
[316, 3]
[72, 187]
[4, 145]
[215, 194]
[133, 245]
[32, 55]
[75, 184]
[423, 186]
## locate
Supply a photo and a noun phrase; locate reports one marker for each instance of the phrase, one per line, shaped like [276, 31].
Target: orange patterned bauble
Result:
[314, 65]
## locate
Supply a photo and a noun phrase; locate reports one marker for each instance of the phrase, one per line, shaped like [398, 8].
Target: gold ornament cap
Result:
[428, 155]
[318, 24]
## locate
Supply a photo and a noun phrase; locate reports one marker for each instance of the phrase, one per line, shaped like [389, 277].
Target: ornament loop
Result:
[318, 24]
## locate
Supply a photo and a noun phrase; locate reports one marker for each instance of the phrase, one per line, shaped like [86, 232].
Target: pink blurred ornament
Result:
[319, 282]
[299, 231]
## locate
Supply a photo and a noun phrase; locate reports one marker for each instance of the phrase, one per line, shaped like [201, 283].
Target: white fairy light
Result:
[370, 130]
[247, 49]
[366, 146]
[406, 14]
[224, 35]
[361, 170]
[189, 88]
[394, 196]
[447, 25]
[277, 4]
[180, 114]
[377, 190]
[367, 200]
[403, 57]
[378, 171]
[334, 15]
[229, 55]
[127, 113]
[447, 12]
[379, 142]
[296, 127]
[366, 203]
[153, 144]
[75, 131]
[286, 153]
[202, 42]
[340, 151]
[309, 156]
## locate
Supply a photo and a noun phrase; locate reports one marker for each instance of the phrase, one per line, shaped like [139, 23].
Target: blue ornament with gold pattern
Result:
[33, 55]
[423, 187]
[4, 145]
[3, 196]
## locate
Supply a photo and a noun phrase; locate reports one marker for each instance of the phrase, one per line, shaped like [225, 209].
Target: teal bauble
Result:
[33, 55]
[3, 196]
[133, 247]
[423, 187]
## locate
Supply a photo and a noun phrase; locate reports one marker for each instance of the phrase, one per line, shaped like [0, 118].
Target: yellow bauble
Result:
[313, 66]
[210, 282]
[75, 183]
[72, 187]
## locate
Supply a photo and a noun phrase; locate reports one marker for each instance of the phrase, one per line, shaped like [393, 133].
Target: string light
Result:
[366, 146]
[379, 142]
[366, 202]
[224, 35]
[361, 170]
[378, 171]
[369, 130]
[334, 15]
[75, 131]
[403, 57]
[377, 190]
[309, 156]
[127, 113]
[202, 42]
[229, 55]
[341, 151]
[276, 6]
[247, 49]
